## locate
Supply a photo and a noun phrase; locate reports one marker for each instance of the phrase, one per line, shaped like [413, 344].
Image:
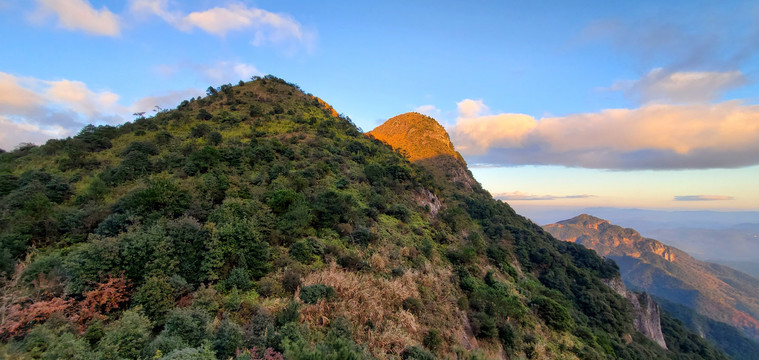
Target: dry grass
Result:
[375, 304]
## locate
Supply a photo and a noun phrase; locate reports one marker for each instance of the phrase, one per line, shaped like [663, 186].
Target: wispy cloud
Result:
[219, 72]
[79, 15]
[266, 27]
[710, 40]
[429, 110]
[662, 86]
[518, 195]
[702, 197]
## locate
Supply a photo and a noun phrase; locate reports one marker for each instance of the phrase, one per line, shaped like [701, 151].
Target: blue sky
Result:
[563, 103]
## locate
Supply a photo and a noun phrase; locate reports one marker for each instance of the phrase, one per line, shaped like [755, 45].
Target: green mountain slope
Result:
[725, 337]
[715, 291]
[257, 223]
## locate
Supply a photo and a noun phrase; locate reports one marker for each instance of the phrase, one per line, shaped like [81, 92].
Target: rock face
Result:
[424, 141]
[712, 290]
[647, 314]
[418, 136]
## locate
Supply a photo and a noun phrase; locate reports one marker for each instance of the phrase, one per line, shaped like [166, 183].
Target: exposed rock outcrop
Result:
[647, 314]
[423, 141]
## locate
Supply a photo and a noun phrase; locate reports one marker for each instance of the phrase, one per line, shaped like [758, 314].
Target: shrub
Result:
[483, 325]
[156, 297]
[432, 340]
[312, 294]
[554, 314]
[400, 212]
[303, 251]
[413, 305]
[202, 353]
[238, 278]
[126, 337]
[417, 353]
[291, 280]
[203, 114]
[228, 338]
[190, 325]
[291, 313]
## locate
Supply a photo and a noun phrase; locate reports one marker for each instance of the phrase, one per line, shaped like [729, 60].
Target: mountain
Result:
[419, 137]
[256, 222]
[713, 290]
[737, 244]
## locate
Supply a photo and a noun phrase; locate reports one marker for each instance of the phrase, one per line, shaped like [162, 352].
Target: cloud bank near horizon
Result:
[518, 195]
[702, 198]
[676, 131]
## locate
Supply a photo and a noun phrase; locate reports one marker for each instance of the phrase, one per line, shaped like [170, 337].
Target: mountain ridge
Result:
[256, 221]
[718, 292]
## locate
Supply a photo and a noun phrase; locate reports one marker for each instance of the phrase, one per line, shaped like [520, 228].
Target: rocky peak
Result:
[417, 136]
[585, 220]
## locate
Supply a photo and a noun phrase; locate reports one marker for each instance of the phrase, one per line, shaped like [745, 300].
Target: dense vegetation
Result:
[255, 223]
[723, 336]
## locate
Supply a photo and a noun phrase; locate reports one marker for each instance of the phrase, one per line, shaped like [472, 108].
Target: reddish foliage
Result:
[106, 297]
[19, 315]
[20, 319]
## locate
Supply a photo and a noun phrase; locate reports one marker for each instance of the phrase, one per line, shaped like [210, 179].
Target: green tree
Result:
[156, 297]
[227, 339]
[127, 337]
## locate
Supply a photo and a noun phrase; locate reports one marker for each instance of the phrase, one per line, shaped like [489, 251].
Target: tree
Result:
[156, 297]
[126, 337]
[228, 338]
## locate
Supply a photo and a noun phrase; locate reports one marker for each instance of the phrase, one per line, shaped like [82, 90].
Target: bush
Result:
[228, 339]
[291, 280]
[312, 294]
[400, 212]
[291, 313]
[417, 353]
[126, 337]
[203, 353]
[554, 314]
[432, 340]
[203, 114]
[190, 325]
[238, 278]
[483, 325]
[413, 305]
[156, 297]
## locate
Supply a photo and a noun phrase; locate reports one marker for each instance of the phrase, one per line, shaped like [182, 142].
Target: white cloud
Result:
[80, 15]
[267, 27]
[660, 86]
[656, 136]
[34, 110]
[79, 98]
[13, 133]
[14, 97]
[477, 131]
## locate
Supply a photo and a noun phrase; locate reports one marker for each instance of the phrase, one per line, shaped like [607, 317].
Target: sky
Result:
[573, 104]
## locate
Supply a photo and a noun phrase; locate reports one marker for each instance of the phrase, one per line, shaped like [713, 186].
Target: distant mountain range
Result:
[715, 291]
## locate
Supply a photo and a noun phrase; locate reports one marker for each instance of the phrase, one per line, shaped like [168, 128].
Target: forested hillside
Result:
[257, 223]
